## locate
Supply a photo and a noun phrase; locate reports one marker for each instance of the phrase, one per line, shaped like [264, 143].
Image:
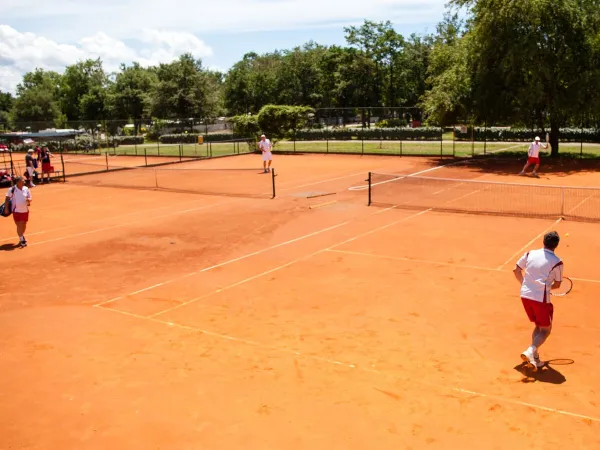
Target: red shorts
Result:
[47, 168]
[21, 217]
[539, 313]
[532, 160]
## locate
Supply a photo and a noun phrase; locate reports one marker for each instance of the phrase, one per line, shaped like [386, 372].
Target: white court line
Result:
[422, 261]
[441, 263]
[289, 351]
[278, 267]
[206, 269]
[579, 204]
[122, 225]
[518, 252]
[113, 218]
[323, 181]
[366, 186]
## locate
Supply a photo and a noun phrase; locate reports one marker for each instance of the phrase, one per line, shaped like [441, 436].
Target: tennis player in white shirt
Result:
[265, 147]
[533, 156]
[543, 272]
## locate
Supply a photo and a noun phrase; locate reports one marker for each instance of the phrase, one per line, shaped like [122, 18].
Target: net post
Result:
[273, 181]
[106, 157]
[369, 182]
[562, 203]
[62, 163]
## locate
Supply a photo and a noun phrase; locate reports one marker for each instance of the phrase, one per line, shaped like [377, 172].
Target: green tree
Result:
[184, 90]
[6, 104]
[532, 60]
[448, 98]
[279, 121]
[37, 104]
[84, 91]
[132, 93]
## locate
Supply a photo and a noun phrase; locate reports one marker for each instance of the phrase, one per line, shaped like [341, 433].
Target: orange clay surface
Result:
[141, 319]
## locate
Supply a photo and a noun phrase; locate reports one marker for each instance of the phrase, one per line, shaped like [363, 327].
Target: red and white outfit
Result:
[266, 146]
[19, 198]
[542, 268]
[534, 153]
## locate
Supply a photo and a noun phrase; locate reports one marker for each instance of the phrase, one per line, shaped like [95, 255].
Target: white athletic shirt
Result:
[19, 199]
[542, 268]
[534, 149]
[265, 145]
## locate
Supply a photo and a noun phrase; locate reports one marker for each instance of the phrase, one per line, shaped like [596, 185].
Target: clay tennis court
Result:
[140, 318]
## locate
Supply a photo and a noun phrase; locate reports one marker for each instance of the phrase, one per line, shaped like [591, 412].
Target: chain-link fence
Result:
[384, 131]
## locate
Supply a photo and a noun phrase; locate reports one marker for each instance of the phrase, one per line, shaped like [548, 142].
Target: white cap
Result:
[537, 138]
[262, 135]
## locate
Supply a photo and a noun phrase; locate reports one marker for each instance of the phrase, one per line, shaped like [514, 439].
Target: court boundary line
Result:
[290, 351]
[442, 263]
[122, 225]
[240, 258]
[282, 266]
[522, 249]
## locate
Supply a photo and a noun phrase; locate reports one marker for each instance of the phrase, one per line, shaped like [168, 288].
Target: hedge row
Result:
[191, 138]
[589, 135]
[407, 134]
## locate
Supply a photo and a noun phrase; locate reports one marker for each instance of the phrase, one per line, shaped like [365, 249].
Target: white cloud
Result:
[152, 31]
[125, 19]
[24, 52]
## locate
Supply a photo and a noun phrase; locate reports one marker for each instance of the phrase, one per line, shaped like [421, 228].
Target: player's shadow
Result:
[511, 163]
[8, 247]
[546, 374]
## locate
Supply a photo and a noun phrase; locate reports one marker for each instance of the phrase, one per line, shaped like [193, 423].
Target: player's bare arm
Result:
[518, 274]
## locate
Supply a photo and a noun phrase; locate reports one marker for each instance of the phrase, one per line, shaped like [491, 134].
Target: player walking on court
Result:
[20, 197]
[265, 147]
[543, 272]
[533, 156]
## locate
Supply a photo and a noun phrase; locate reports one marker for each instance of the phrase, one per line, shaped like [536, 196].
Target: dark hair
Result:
[551, 240]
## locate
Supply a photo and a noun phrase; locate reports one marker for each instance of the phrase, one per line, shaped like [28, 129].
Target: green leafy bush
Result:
[589, 135]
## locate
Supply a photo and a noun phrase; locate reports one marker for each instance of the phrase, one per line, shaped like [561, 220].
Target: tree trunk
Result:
[554, 131]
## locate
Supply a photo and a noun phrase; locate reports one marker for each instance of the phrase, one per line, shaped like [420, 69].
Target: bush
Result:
[589, 135]
[193, 138]
[372, 134]
[130, 140]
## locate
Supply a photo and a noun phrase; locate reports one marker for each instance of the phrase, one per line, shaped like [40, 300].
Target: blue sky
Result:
[54, 34]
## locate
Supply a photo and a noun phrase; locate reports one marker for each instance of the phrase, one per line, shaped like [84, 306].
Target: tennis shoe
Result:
[529, 359]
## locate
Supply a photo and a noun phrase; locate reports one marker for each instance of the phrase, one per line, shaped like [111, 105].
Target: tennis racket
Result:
[565, 287]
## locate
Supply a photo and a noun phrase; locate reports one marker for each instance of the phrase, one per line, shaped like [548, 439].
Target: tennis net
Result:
[484, 197]
[234, 182]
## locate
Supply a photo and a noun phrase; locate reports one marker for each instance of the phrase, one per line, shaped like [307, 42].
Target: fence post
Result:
[273, 181]
[145, 156]
[62, 162]
[453, 141]
[442, 144]
[369, 182]
[106, 157]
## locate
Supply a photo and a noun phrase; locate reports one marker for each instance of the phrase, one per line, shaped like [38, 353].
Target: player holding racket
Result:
[543, 272]
[533, 156]
[266, 146]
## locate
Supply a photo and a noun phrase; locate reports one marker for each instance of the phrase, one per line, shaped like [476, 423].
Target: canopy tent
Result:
[47, 135]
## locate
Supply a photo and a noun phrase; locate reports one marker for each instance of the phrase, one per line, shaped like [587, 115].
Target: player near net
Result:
[533, 156]
[265, 147]
[543, 272]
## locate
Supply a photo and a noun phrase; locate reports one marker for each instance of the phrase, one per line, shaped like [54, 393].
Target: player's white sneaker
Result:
[529, 358]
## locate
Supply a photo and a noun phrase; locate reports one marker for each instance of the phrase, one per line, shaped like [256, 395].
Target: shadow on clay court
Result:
[8, 247]
[546, 374]
[511, 164]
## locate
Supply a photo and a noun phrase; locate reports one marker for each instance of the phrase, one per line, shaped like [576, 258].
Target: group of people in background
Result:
[33, 160]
